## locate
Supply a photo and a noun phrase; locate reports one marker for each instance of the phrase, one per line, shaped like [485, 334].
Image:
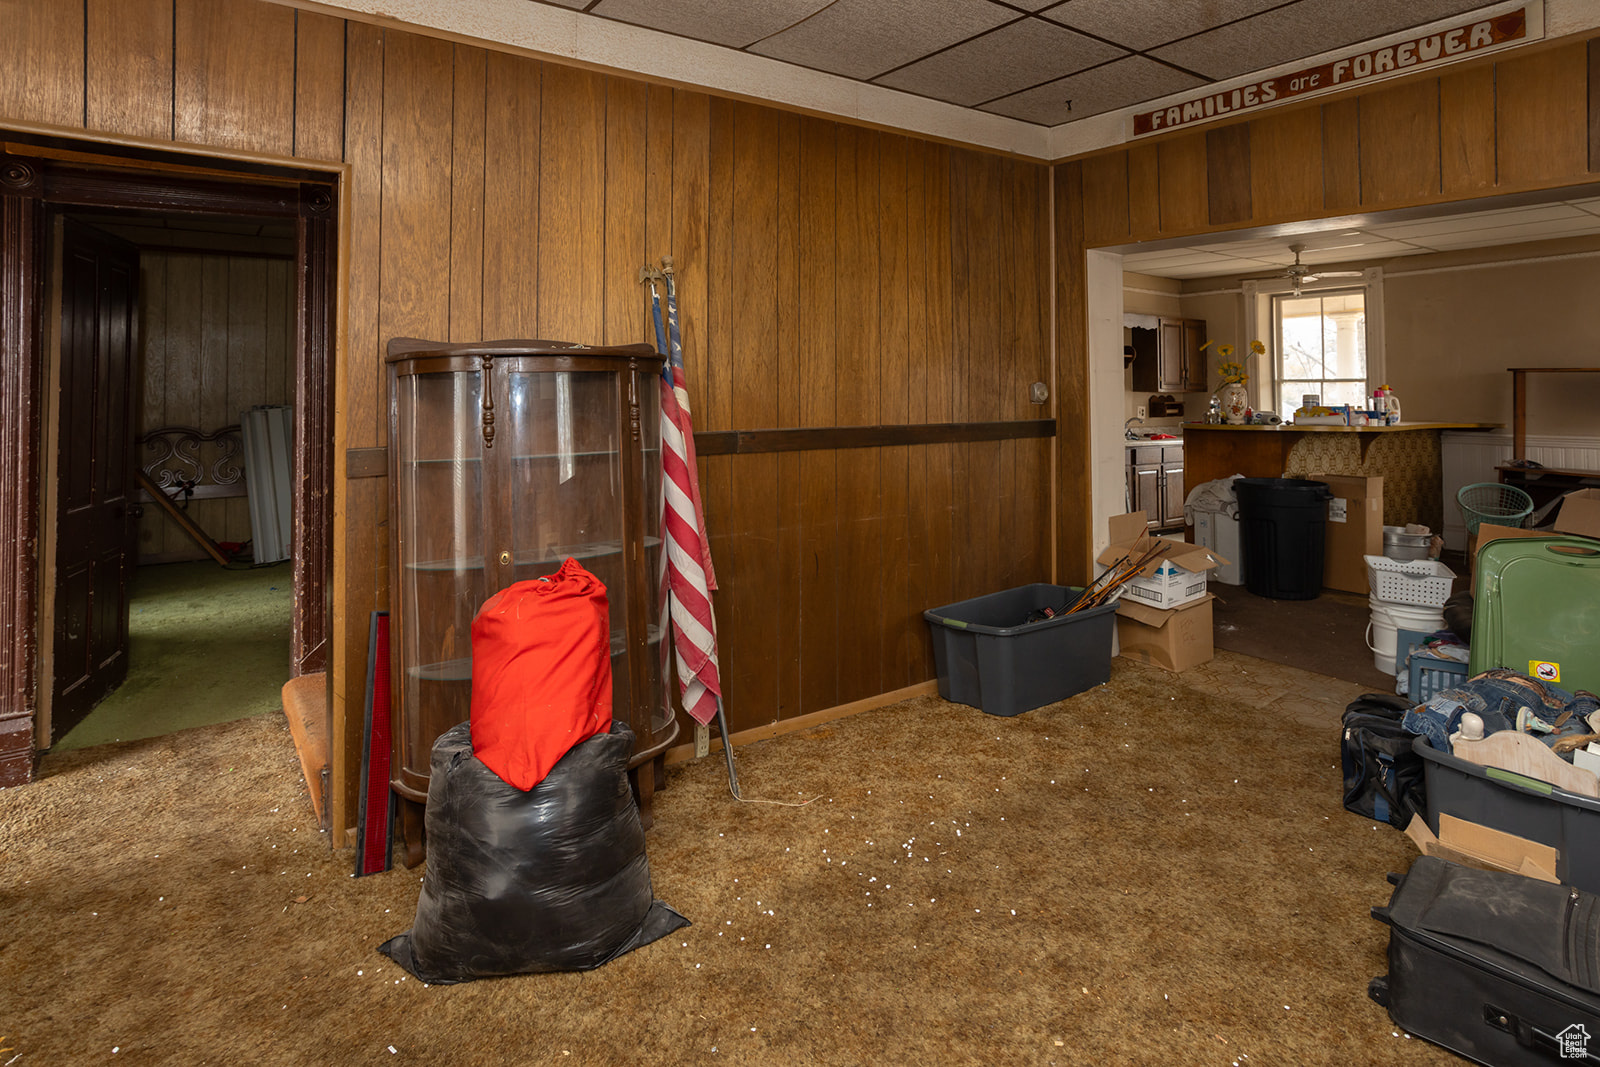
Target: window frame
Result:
[1275, 303]
[1259, 313]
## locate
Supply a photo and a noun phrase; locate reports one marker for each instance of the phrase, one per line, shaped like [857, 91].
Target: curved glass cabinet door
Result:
[507, 458]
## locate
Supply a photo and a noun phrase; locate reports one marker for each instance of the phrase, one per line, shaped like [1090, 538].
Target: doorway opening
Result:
[209, 608]
[232, 292]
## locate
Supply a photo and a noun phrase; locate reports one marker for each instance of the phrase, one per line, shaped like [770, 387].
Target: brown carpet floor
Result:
[1156, 871]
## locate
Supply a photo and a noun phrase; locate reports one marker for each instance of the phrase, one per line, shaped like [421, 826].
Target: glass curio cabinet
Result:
[508, 457]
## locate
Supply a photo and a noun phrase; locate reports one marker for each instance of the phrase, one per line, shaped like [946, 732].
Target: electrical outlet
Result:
[1139, 411]
[702, 740]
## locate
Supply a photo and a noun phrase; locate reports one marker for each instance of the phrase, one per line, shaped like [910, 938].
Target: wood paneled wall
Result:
[1527, 120]
[216, 339]
[828, 276]
[1521, 122]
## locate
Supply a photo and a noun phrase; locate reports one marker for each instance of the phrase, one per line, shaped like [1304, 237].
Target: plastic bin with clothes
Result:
[1213, 510]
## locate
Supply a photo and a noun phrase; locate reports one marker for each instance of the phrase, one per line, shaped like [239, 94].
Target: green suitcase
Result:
[1537, 610]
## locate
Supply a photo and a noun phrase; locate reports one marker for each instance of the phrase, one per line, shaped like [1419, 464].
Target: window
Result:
[1309, 318]
[1321, 346]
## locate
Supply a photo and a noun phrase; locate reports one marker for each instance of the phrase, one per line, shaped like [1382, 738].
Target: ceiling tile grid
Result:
[1091, 92]
[1016, 56]
[1145, 25]
[1298, 30]
[1024, 59]
[1478, 229]
[864, 38]
[733, 23]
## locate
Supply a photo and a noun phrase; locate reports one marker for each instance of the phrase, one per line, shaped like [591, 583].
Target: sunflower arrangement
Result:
[1231, 371]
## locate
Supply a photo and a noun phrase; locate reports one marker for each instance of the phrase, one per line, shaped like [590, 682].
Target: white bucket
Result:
[1388, 619]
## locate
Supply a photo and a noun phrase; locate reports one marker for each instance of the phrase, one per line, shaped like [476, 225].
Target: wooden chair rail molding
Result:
[373, 462]
[813, 438]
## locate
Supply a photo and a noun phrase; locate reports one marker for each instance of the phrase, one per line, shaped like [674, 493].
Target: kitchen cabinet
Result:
[507, 458]
[1155, 484]
[1168, 358]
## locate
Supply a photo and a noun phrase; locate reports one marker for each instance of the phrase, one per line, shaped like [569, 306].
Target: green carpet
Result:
[206, 644]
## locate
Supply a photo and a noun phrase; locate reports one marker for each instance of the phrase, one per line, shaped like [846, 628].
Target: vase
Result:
[1235, 401]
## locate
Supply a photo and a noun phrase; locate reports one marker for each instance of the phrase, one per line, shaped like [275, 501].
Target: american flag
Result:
[686, 577]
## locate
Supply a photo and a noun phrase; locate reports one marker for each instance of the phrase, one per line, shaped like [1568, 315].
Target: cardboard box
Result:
[1472, 845]
[1177, 638]
[1354, 530]
[1168, 586]
[1173, 572]
[1580, 514]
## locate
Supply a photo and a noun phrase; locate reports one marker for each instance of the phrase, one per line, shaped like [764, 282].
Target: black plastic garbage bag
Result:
[552, 879]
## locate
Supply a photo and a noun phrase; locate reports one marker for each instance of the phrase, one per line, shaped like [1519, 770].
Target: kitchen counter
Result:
[1401, 427]
[1406, 456]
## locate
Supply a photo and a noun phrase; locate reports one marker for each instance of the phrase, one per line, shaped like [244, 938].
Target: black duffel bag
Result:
[1384, 779]
[551, 879]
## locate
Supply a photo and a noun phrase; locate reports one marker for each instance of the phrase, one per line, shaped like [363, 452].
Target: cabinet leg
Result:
[644, 788]
[411, 823]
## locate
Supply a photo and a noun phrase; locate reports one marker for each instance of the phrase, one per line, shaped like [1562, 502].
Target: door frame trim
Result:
[42, 171]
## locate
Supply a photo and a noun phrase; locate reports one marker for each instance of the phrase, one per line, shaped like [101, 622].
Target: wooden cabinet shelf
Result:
[507, 458]
[554, 556]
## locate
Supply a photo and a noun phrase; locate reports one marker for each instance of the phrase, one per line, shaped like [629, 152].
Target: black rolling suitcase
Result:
[1500, 968]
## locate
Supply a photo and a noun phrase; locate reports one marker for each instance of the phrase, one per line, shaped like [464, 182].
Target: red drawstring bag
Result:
[541, 673]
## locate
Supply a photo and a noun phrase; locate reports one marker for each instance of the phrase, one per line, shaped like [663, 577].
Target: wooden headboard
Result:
[187, 463]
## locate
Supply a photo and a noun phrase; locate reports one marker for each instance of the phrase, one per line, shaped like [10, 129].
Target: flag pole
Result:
[727, 751]
[673, 635]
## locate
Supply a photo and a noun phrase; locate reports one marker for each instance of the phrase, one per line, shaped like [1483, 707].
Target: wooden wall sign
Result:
[1457, 42]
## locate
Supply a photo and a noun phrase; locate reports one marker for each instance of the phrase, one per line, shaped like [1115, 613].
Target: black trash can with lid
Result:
[1282, 525]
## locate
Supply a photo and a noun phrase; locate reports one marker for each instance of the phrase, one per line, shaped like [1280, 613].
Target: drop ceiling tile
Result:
[1120, 83]
[1160, 262]
[1371, 250]
[1248, 265]
[1145, 25]
[1014, 57]
[1252, 249]
[1191, 273]
[863, 38]
[577, 5]
[1281, 35]
[735, 23]
[1506, 235]
[1426, 229]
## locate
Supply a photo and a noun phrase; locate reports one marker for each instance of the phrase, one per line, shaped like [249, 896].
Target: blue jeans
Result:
[1496, 696]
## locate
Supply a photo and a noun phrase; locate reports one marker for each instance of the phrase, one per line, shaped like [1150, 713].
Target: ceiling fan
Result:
[1298, 272]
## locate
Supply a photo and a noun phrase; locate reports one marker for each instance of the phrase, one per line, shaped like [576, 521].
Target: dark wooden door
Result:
[94, 525]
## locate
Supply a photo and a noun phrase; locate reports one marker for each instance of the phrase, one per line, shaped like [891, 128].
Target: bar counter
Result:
[1405, 455]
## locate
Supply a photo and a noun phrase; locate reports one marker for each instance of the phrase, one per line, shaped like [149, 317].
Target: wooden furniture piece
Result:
[508, 457]
[1168, 359]
[189, 464]
[1519, 402]
[1155, 483]
[1543, 484]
